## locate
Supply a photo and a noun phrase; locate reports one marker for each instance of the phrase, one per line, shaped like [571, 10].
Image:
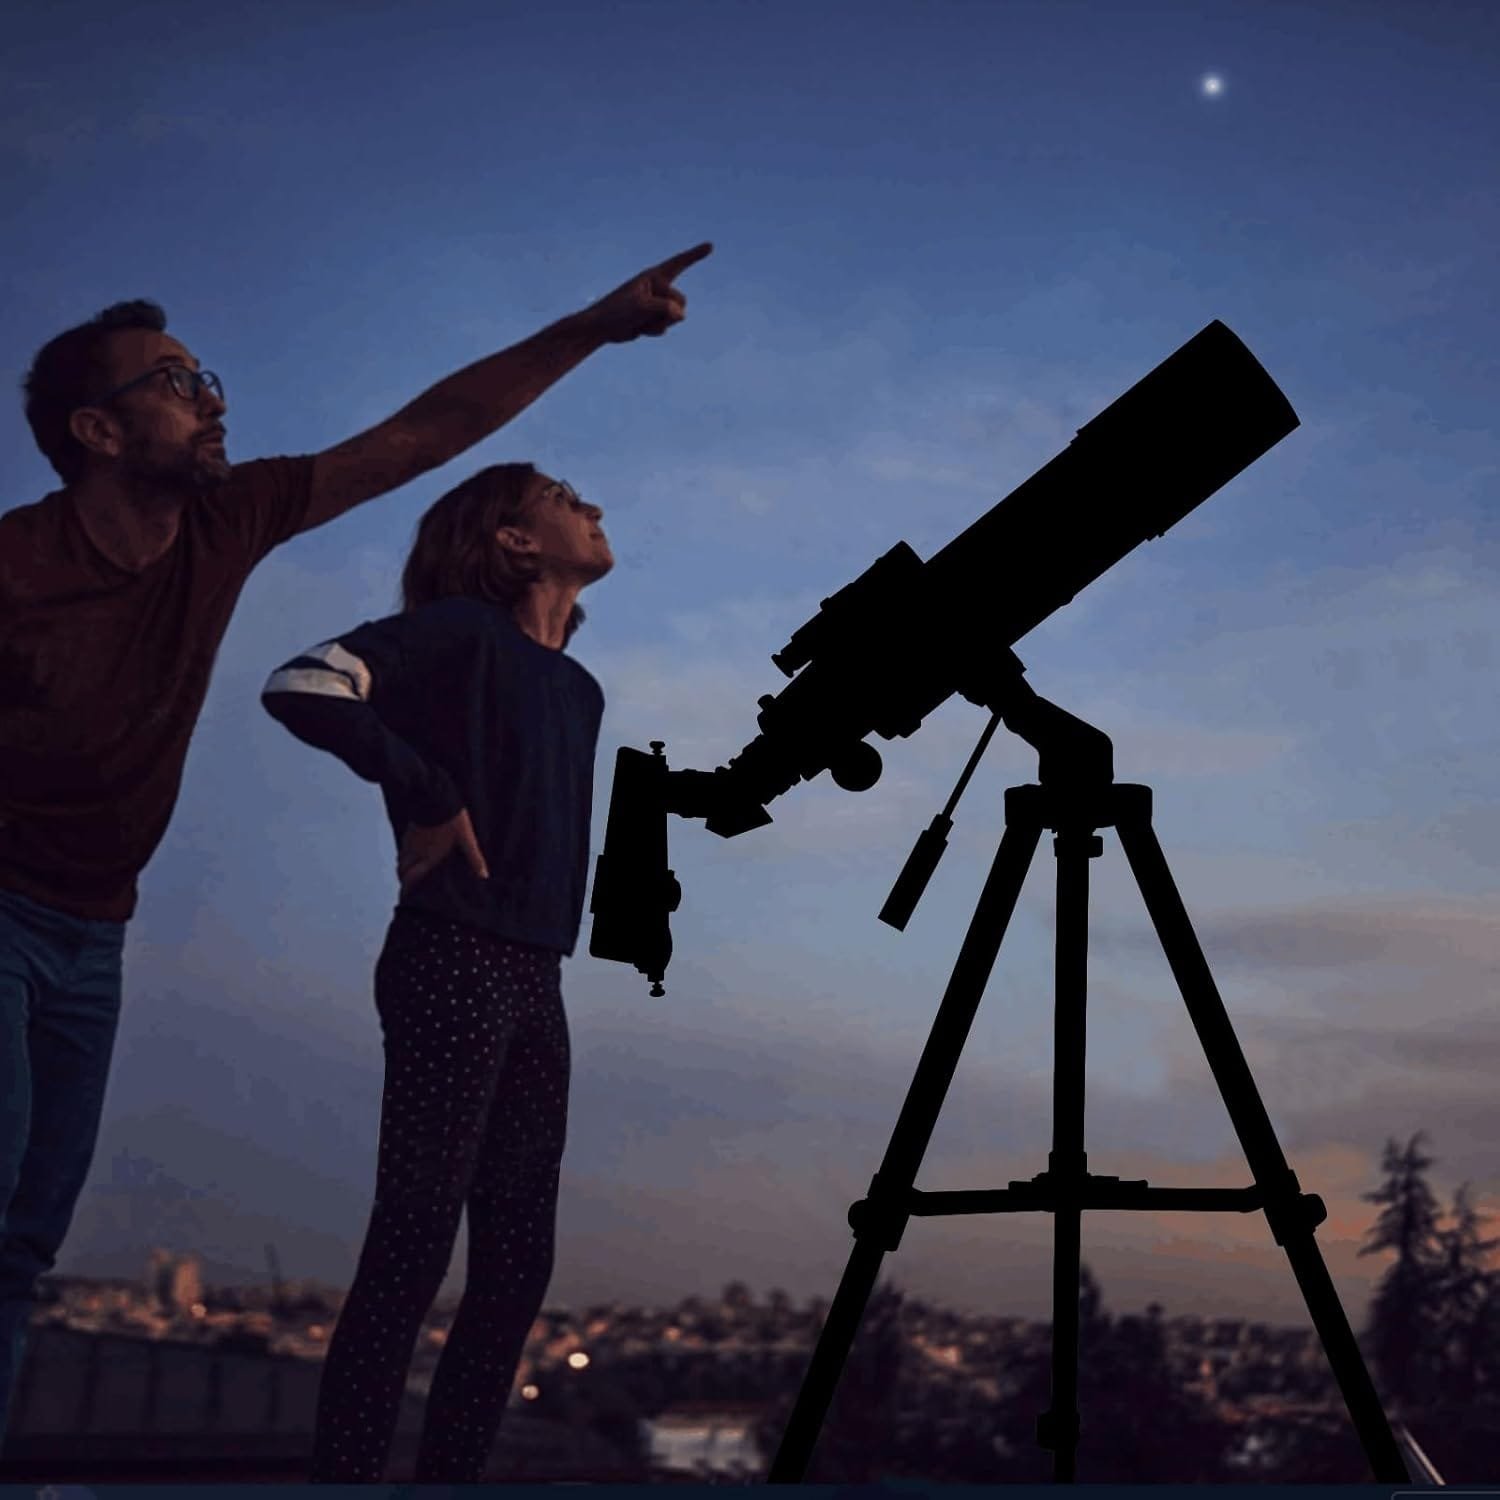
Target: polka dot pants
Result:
[473, 1117]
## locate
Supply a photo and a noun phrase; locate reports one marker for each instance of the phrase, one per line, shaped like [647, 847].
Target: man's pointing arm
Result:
[458, 412]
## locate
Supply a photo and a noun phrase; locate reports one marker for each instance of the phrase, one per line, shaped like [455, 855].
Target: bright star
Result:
[1212, 85]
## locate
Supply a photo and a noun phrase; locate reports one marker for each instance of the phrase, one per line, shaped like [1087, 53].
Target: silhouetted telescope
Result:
[906, 635]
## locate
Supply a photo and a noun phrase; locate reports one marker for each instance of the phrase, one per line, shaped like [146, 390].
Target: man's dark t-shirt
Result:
[450, 706]
[103, 674]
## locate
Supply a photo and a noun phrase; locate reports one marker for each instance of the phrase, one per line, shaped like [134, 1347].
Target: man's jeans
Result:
[59, 1007]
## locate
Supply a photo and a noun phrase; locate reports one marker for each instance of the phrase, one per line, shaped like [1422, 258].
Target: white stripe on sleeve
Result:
[341, 675]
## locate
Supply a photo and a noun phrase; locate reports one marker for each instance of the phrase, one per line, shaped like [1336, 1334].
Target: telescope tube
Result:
[890, 647]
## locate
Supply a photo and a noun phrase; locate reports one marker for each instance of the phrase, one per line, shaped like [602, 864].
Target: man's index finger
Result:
[679, 263]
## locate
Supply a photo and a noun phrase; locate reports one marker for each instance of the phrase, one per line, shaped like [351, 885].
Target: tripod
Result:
[1077, 796]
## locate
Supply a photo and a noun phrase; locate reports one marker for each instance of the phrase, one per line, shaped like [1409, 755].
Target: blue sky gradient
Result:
[947, 235]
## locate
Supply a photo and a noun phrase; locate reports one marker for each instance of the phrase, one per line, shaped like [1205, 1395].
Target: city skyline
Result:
[946, 235]
[243, 1370]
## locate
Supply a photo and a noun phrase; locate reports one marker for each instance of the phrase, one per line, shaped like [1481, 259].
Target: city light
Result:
[579, 1360]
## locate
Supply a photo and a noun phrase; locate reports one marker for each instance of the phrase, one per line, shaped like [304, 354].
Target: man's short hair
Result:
[72, 369]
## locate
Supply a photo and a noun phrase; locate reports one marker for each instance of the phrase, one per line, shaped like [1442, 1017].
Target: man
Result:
[115, 592]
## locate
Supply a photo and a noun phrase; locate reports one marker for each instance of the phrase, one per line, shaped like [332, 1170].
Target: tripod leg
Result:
[827, 1364]
[1068, 1164]
[1292, 1215]
[880, 1219]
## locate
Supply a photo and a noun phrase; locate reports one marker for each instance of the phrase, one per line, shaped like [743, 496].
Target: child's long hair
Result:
[455, 551]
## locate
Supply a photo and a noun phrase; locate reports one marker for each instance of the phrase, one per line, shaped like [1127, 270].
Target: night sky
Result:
[947, 234]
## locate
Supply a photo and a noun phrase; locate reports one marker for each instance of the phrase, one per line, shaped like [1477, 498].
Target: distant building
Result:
[716, 1438]
[175, 1281]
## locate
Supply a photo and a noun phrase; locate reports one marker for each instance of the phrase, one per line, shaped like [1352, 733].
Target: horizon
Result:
[446, 1304]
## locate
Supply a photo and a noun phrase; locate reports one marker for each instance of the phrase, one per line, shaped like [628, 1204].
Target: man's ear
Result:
[97, 431]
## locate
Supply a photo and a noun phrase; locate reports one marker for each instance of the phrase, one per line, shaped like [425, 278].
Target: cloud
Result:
[727, 1139]
[1462, 938]
[1388, 288]
[42, 129]
[703, 1147]
[1361, 1021]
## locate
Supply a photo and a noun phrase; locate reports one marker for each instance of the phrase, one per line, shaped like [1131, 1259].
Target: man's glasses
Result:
[184, 382]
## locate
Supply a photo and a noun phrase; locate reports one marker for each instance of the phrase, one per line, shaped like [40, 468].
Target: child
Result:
[480, 732]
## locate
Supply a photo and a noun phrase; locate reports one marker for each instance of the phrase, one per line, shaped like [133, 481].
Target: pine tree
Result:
[1403, 1329]
[1487, 1341]
[1464, 1423]
[1464, 1288]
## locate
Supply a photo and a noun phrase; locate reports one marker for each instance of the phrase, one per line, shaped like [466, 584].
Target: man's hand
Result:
[647, 303]
[424, 849]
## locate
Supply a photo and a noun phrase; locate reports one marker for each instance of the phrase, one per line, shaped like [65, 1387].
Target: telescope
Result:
[877, 658]
[887, 649]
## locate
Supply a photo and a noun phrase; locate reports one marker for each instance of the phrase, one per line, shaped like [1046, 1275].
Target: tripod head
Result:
[904, 636]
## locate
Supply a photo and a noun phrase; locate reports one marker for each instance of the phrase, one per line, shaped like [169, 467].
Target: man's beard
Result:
[188, 471]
